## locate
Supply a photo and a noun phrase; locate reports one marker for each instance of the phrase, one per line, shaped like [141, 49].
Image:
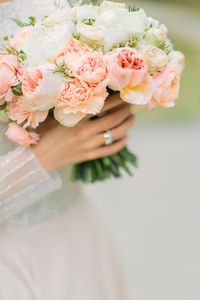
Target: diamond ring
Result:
[108, 137]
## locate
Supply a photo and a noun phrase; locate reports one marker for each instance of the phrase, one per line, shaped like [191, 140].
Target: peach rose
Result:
[20, 37]
[78, 99]
[139, 94]
[72, 51]
[40, 87]
[21, 136]
[167, 85]
[126, 67]
[9, 68]
[177, 58]
[90, 68]
[17, 111]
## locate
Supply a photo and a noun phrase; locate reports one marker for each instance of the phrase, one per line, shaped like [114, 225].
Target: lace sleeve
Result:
[23, 181]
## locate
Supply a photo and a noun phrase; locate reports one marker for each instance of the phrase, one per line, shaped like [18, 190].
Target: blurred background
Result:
[154, 218]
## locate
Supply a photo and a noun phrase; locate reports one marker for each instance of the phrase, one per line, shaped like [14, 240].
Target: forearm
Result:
[23, 181]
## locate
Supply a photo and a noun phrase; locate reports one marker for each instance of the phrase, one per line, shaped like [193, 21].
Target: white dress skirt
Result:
[52, 246]
[69, 257]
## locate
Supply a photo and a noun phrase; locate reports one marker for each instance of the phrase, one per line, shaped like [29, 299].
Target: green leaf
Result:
[133, 8]
[17, 89]
[89, 21]
[6, 38]
[30, 22]
[3, 107]
[22, 55]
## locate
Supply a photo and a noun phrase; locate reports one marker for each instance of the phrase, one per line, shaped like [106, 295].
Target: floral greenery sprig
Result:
[30, 22]
[21, 55]
[6, 38]
[132, 42]
[89, 21]
[3, 107]
[133, 8]
[61, 68]
[17, 89]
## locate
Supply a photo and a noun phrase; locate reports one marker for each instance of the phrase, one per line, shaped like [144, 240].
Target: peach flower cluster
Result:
[85, 54]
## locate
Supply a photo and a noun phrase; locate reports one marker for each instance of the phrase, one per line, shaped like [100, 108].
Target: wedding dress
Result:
[51, 244]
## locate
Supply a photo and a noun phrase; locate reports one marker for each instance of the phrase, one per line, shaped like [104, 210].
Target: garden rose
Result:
[83, 12]
[167, 85]
[59, 16]
[120, 25]
[19, 112]
[156, 37]
[21, 136]
[90, 68]
[126, 67]
[139, 94]
[78, 99]
[9, 68]
[72, 51]
[43, 43]
[91, 35]
[155, 58]
[40, 87]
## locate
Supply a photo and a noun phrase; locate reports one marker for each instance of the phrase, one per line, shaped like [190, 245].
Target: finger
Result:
[108, 122]
[122, 130]
[107, 150]
[117, 134]
[112, 101]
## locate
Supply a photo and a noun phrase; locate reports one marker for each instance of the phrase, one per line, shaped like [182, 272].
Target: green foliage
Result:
[105, 168]
[89, 21]
[133, 8]
[30, 22]
[11, 51]
[93, 2]
[61, 68]
[21, 55]
[17, 90]
[6, 38]
[3, 107]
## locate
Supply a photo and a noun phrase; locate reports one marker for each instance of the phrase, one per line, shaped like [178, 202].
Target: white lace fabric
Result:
[23, 181]
[28, 194]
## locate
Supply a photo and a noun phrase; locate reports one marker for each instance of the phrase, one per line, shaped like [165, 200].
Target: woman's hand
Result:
[60, 146]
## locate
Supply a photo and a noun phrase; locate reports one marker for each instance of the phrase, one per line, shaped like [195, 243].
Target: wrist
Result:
[41, 155]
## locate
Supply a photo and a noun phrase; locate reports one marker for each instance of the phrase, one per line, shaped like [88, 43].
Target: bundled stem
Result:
[104, 168]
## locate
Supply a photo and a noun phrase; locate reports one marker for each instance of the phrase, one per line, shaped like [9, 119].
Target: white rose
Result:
[120, 25]
[155, 58]
[91, 35]
[153, 22]
[59, 16]
[110, 5]
[156, 37]
[4, 116]
[83, 12]
[44, 42]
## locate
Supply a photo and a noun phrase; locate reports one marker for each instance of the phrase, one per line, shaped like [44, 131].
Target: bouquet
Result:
[66, 64]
